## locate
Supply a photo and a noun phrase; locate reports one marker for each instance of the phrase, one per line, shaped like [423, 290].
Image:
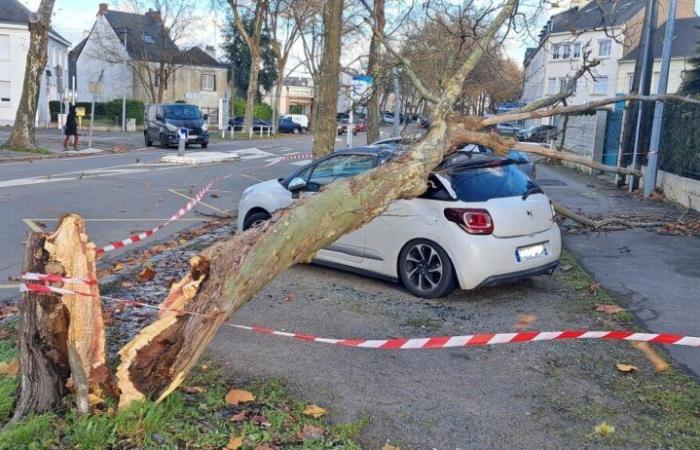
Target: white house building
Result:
[605, 30]
[14, 44]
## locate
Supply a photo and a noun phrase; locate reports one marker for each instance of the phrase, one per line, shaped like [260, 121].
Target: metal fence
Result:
[680, 140]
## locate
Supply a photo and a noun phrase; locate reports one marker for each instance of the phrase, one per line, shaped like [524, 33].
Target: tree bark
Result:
[22, 136]
[574, 158]
[327, 106]
[374, 68]
[43, 335]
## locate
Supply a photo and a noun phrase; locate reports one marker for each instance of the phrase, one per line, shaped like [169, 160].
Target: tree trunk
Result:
[22, 136]
[374, 68]
[43, 335]
[324, 141]
[252, 89]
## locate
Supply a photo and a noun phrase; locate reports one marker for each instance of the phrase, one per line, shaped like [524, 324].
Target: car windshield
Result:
[181, 112]
[480, 184]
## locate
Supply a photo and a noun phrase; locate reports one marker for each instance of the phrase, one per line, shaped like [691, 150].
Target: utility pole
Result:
[653, 155]
[126, 72]
[645, 83]
[397, 104]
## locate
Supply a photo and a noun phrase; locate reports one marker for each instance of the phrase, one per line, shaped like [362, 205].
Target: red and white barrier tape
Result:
[47, 278]
[291, 158]
[438, 342]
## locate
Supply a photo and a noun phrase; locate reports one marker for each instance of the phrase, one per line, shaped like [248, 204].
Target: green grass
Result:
[182, 420]
[38, 150]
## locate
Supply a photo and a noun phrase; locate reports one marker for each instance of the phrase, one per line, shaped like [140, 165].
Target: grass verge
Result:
[37, 150]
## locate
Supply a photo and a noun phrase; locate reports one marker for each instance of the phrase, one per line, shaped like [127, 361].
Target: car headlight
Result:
[205, 127]
[170, 127]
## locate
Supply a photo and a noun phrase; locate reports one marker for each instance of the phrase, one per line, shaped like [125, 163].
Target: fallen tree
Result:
[230, 273]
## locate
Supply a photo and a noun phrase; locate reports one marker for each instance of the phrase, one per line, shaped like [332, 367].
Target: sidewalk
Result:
[657, 275]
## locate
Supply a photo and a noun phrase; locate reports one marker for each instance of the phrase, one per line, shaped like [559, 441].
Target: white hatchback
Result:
[482, 222]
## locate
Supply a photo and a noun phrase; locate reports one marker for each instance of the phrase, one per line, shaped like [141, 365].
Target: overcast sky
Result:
[74, 18]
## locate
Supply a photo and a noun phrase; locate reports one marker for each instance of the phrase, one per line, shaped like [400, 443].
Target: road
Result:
[119, 194]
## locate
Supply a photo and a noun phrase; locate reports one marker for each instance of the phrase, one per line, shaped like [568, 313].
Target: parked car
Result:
[538, 133]
[341, 115]
[287, 125]
[507, 129]
[388, 117]
[357, 127]
[237, 124]
[301, 119]
[163, 121]
[481, 222]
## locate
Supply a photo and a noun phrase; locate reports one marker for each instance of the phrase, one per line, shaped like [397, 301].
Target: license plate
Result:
[530, 252]
[192, 137]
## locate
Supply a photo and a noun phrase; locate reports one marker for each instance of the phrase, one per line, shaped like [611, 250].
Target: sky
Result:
[74, 18]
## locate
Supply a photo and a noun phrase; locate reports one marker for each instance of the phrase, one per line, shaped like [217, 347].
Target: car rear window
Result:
[481, 184]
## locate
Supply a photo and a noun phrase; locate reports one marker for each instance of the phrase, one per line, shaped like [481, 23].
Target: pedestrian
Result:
[71, 129]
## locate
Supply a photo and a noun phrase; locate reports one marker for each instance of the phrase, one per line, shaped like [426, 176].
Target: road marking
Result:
[303, 162]
[251, 177]
[9, 286]
[32, 226]
[226, 213]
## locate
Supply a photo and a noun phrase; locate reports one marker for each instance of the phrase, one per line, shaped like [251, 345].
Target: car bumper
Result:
[199, 139]
[492, 260]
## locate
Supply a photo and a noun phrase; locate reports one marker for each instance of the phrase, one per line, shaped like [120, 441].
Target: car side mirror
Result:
[296, 185]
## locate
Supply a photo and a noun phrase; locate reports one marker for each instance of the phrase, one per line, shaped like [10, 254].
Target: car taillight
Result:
[473, 221]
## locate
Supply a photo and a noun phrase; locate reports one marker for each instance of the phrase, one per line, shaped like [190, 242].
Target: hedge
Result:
[680, 140]
[260, 110]
[111, 110]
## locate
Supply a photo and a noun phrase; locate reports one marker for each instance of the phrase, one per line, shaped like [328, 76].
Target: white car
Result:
[481, 222]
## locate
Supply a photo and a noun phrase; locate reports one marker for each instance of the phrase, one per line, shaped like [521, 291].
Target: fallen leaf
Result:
[192, 389]
[609, 309]
[214, 195]
[311, 432]
[566, 267]
[260, 421]
[659, 362]
[94, 399]
[8, 311]
[290, 298]
[239, 417]
[147, 274]
[390, 447]
[264, 447]
[593, 288]
[525, 321]
[314, 411]
[10, 368]
[236, 396]
[626, 368]
[127, 284]
[117, 267]
[604, 429]
[235, 443]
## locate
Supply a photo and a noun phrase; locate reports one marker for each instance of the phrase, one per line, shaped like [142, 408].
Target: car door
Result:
[350, 247]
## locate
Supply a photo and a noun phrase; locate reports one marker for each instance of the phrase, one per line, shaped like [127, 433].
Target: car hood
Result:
[269, 187]
[186, 123]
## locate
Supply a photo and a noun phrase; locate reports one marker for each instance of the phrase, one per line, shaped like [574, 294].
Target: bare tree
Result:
[284, 31]
[22, 136]
[329, 83]
[374, 68]
[253, 43]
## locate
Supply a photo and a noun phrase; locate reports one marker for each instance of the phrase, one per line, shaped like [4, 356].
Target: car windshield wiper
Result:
[532, 190]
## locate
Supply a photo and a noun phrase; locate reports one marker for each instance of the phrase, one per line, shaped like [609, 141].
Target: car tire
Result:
[161, 142]
[304, 130]
[205, 144]
[147, 140]
[255, 219]
[425, 269]
[295, 131]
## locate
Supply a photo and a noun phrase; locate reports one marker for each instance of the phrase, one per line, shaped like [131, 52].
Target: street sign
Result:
[361, 86]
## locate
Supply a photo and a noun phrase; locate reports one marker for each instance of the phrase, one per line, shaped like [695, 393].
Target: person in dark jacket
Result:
[71, 129]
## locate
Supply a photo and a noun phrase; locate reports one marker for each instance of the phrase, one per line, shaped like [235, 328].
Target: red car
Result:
[357, 127]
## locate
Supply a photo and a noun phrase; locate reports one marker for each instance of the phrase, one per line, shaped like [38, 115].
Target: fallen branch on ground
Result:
[601, 224]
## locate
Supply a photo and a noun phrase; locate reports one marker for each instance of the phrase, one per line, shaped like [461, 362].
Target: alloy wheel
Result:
[424, 267]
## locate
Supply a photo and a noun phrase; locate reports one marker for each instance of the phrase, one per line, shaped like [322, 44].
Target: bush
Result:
[260, 110]
[111, 110]
[680, 143]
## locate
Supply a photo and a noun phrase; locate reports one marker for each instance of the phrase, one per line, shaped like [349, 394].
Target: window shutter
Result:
[214, 79]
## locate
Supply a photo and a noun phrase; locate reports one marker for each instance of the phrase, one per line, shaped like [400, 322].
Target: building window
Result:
[566, 51]
[630, 81]
[555, 51]
[562, 85]
[577, 50]
[600, 87]
[147, 38]
[208, 82]
[604, 48]
[4, 46]
[551, 86]
[4, 92]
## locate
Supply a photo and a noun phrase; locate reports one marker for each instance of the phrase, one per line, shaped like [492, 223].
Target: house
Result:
[14, 44]
[605, 29]
[686, 34]
[296, 96]
[137, 58]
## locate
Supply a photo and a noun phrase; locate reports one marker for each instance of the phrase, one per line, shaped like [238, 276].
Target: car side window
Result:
[340, 166]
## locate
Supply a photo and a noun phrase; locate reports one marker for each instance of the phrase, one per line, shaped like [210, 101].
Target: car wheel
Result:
[255, 219]
[148, 141]
[426, 270]
[205, 144]
[295, 131]
[304, 130]
[161, 142]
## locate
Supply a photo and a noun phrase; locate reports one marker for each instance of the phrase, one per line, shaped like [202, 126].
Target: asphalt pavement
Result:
[119, 194]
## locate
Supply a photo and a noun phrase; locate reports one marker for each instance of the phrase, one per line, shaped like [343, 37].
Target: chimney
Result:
[210, 50]
[154, 14]
[104, 7]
